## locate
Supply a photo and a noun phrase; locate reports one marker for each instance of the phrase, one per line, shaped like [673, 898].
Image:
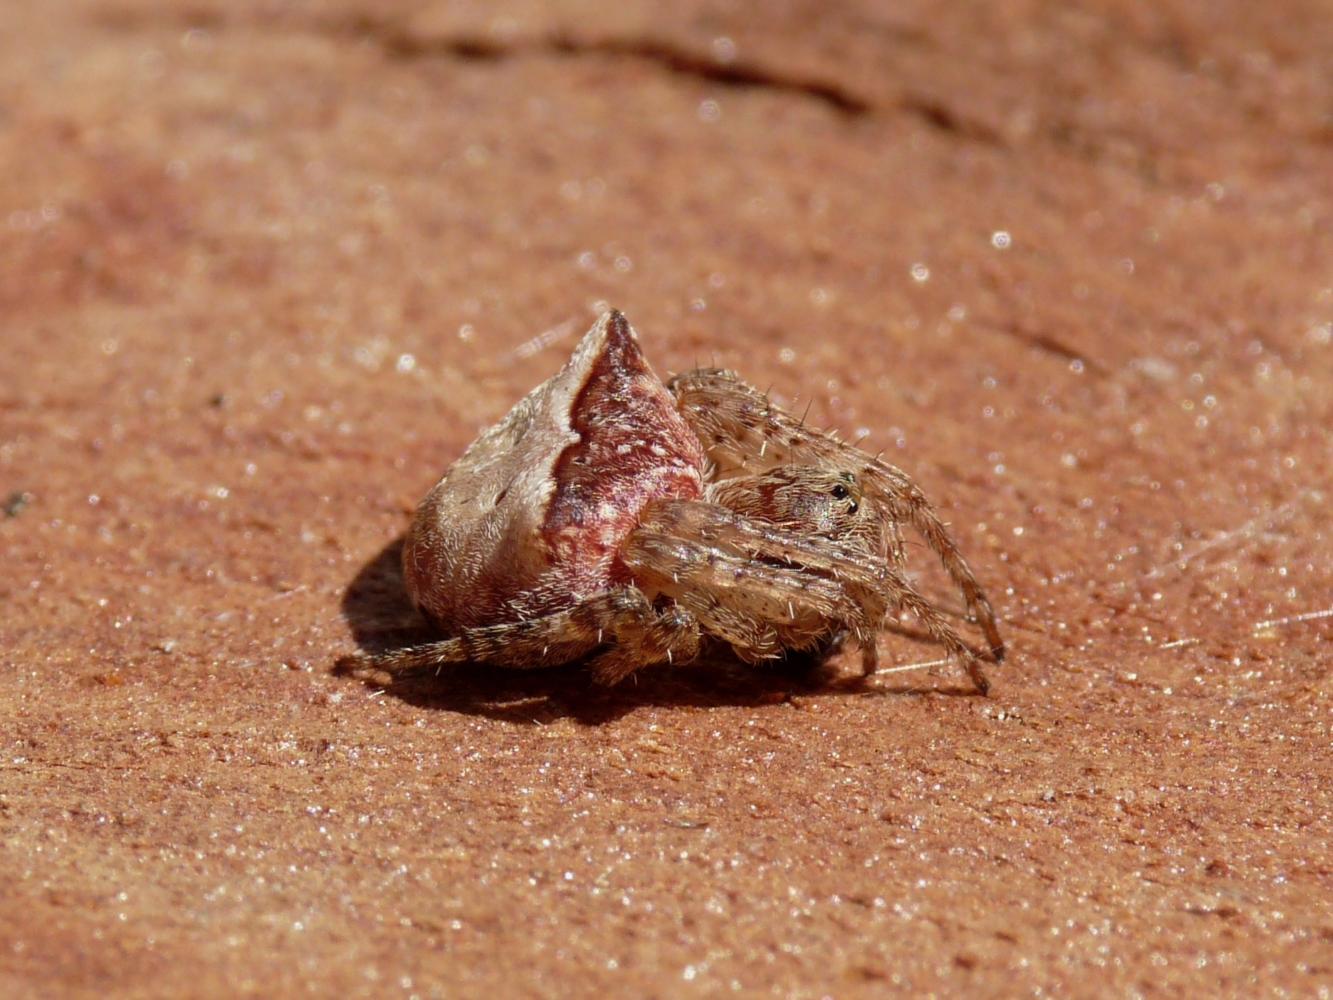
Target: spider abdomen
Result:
[531, 518]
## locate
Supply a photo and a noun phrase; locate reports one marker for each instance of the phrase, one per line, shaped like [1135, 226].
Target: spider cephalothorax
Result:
[614, 518]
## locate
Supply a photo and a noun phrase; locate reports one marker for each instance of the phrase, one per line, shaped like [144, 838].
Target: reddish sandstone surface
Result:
[265, 269]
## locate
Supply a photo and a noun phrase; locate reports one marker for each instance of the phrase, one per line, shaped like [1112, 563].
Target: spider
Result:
[614, 519]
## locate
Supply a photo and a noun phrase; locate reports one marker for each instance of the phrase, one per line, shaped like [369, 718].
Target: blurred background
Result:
[266, 267]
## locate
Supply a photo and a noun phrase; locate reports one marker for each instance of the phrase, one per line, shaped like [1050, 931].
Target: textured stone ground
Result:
[265, 268]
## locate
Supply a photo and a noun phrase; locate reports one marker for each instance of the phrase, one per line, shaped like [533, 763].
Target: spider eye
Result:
[840, 492]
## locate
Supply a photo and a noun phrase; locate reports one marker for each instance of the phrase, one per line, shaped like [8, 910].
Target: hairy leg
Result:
[645, 640]
[760, 608]
[837, 586]
[745, 433]
[637, 634]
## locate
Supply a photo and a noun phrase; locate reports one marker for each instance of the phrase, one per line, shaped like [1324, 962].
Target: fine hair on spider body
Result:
[612, 518]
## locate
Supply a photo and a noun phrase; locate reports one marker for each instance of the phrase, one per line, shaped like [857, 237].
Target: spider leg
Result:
[743, 432]
[622, 619]
[646, 639]
[845, 585]
[760, 608]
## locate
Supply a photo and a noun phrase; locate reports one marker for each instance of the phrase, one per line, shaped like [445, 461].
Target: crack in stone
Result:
[677, 60]
[733, 74]
[1046, 343]
[397, 41]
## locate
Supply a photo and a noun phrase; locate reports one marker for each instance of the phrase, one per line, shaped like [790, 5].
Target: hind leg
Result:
[623, 620]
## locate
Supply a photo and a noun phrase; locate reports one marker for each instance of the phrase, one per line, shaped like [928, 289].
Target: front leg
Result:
[744, 433]
[763, 588]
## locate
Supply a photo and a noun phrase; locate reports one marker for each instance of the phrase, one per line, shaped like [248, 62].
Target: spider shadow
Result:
[381, 616]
